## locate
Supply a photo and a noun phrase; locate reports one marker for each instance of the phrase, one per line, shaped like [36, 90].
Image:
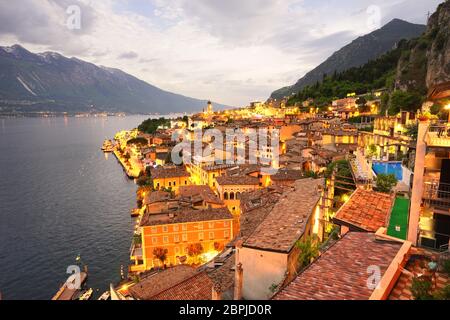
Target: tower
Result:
[209, 110]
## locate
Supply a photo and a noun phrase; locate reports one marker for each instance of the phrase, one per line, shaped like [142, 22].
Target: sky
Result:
[229, 51]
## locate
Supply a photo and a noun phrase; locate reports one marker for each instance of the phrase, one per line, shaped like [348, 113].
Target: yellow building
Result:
[205, 174]
[170, 178]
[168, 239]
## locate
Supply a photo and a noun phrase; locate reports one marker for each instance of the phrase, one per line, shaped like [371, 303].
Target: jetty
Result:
[66, 292]
[132, 173]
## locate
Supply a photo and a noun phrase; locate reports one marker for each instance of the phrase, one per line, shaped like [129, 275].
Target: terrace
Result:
[438, 135]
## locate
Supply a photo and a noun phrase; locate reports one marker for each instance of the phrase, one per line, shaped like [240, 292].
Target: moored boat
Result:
[86, 295]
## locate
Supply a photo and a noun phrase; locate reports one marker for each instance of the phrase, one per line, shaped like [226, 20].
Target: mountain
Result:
[428, 62]
[357, 53]
[51, 82]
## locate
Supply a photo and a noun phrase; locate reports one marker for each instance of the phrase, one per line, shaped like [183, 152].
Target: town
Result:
[354, 193]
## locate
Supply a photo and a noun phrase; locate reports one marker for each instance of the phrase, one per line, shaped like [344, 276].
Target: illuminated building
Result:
[209, 229]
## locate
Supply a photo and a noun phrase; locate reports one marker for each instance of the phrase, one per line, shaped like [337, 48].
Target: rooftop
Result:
[198, 287]
[366, 210]
[156, 283]
[284, 174]
[186, 216]
[341, 272]
[177, 283]
[237, 180]
[169, 172]
[286, 222]
[255, 207]
[199, 193]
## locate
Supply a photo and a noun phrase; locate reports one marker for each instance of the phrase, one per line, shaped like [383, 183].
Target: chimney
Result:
[216, 292]
[238, 278]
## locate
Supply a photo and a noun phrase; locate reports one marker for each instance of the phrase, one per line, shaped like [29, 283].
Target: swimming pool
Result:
[389, 168]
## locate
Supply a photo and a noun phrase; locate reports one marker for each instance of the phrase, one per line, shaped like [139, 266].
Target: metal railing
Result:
[434, 240]
[438, 135]
[436, 194]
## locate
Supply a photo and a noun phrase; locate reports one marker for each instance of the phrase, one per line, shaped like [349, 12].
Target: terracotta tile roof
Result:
[418, 261]
[171, 172]
[237, 181]
[366, 210]
[255, 206]
[203, 193]
[286, 174]
[341, 272]
[222, 275]
[160, 281]
[156, 196]
[198, 287]
[286, 222]
[185, 216]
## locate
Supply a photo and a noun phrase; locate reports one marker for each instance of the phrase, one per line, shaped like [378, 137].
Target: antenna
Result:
[428, 16]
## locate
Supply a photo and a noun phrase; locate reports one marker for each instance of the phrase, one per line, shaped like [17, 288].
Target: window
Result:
[165, 229]
[176, 238]
[200, 226]
[211, 225]
[176, 228]
[174, 184]
[157, 185]
[226, 234]
[231, 195]
[170, 184]
[154, 240]
[184, 227]
[154, 230]
[166, 239]
[201, 236]
[225, 196]
[211, 236]
[185, 237]
[185, 182]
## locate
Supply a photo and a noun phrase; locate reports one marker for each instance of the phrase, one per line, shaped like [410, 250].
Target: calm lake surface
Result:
[60, 196]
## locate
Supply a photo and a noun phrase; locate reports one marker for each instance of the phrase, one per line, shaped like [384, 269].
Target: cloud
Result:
[128, 55]
[230, 51]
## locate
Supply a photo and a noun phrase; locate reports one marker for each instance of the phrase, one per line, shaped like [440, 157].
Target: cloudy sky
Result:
[231, 51]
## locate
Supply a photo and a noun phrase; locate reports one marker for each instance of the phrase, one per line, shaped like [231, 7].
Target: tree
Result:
[309, 250]
[194, 250]
[386, 182]
[401, 100]
[160, 254]
[412, 131]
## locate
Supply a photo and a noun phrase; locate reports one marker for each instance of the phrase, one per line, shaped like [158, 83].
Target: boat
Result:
[105, 296]
[108, 146]
[86, 295]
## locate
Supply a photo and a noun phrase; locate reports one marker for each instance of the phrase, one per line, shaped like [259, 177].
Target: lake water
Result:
[60, 197]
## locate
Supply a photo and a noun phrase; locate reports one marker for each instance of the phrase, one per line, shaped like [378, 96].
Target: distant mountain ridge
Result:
[357, 53]
[49, 81]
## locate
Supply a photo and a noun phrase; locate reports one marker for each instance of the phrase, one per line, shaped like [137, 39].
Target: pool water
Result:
[389, 168]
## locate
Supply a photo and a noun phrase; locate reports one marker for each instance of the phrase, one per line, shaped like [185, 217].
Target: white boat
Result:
[105, 296]
[86, 295]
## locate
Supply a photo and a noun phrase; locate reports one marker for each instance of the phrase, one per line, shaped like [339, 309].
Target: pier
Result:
[67, 294]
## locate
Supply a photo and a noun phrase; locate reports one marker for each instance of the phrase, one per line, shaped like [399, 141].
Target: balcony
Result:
[438, 135]
[437, 195]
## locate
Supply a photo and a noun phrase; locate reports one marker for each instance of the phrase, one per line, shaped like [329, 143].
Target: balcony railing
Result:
[437, 194]
[434, 240]
[438, 135]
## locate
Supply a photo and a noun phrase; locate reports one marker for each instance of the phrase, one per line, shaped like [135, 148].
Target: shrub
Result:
[386, 182]
[421, 289]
